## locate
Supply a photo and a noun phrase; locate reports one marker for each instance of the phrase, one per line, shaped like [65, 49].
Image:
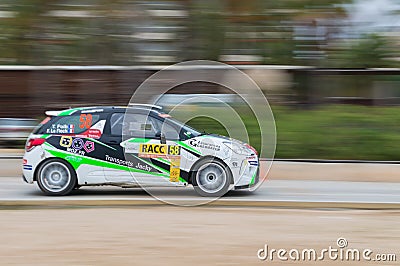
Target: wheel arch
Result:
[203, 158]
[51, 159]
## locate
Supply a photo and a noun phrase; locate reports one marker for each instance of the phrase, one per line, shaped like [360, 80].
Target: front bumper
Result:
[24, 178]
[252, 184]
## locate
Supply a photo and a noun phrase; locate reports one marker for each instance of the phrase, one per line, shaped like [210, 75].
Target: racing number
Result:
[174, 150]
[85, 121]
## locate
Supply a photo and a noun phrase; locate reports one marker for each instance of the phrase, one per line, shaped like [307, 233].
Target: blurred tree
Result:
[90, 32]
[372, 50]
[20, 30]
[206, 30]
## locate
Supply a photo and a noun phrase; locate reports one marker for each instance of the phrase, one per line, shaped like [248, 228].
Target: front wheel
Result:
[56, 178]
[211, 178]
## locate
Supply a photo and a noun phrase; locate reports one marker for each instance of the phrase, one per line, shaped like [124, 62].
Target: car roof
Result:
[104, 109]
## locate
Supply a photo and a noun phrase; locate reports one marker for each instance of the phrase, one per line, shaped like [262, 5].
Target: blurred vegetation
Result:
[329, 132]
[127, 32]
[285, 32]
[370, 51]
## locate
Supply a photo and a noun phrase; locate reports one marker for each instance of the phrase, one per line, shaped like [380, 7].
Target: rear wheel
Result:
[56, 178]
[211, 178]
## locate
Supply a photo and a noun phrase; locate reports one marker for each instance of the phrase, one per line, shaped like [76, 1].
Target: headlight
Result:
[238, 148]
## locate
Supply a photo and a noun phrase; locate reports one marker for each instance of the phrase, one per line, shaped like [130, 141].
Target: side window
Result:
[170, 132]
[116, 121]
[134, 125]
[73, 124]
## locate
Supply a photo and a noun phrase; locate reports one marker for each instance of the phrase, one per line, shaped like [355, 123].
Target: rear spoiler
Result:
[53, 113]
[143, 105]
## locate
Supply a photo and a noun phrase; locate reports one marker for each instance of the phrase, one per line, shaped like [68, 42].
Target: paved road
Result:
[370, 172]
[271, 193]
[292, 185]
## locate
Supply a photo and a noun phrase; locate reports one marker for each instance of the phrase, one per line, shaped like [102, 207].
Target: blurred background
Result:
[328, 67]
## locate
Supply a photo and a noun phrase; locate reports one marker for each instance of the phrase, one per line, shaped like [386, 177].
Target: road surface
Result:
[325, 188]
[190, 236]
[14, 189]
[165, 235]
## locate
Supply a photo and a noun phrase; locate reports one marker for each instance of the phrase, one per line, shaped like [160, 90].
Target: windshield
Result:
[187, 131]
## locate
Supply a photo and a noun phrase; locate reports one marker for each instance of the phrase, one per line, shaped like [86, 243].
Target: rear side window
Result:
[39, 127]
[73, 124]
[136, 125]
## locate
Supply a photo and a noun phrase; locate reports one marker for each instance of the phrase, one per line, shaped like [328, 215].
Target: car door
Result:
[156, 160]
[125, 165]
[116, 168]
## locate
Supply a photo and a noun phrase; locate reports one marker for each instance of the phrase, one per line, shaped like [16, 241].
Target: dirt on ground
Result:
[188, 236]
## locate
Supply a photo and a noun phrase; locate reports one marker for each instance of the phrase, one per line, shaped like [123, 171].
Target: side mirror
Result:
[161, 136]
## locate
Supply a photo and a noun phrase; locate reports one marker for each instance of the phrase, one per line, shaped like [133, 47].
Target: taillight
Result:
[31, 143]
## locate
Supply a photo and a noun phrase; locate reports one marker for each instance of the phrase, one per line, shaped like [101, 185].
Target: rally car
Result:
[134, 146]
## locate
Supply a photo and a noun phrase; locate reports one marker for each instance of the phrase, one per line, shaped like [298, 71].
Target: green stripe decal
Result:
[68, 112]
[253, 178]
[79, 160]
[183, 144]
[101, 143]
[73, 110]
[163, 160]
[138, 140]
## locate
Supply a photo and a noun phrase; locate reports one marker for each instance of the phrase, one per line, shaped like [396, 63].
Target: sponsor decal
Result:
[73, 158]
[66, 141]
[143, 167]
[77, 143]
[61, 129]
[131, 164]
[27, 167]
[159, 151]
[131, 147]
[235, 164]
[89, 146]
[72, 150]
[91, 133]
[175, 170]
[205, 145]
[24, 161]
[119, 161]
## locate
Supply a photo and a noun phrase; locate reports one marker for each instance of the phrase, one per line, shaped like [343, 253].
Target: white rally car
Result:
[130, 147]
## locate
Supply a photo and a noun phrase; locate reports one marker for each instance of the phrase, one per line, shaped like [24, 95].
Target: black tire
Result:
[211, 178]
[56, 177]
